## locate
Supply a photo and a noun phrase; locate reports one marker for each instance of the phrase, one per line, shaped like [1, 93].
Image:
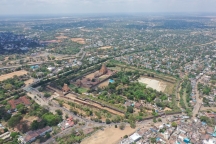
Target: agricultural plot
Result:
[78, 40]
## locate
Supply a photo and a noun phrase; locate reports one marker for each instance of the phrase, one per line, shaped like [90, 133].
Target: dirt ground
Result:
[167, 109]
[108, 136]
[79, 40]
[29, 118]
[91, 76]
[104, 84]
[61, 37]
[28, 82]
[105, 47]
[10, 75]
[152, 83]
[208, 108]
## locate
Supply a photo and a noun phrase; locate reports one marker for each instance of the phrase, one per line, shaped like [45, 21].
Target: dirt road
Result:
[198, 99]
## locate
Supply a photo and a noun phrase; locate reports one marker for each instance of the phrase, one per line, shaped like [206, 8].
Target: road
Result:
[199, 100]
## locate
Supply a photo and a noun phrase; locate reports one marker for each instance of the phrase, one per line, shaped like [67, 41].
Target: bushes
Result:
[14, 120]
[51, 119]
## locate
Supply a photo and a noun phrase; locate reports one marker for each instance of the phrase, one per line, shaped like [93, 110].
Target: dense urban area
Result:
[108, 80]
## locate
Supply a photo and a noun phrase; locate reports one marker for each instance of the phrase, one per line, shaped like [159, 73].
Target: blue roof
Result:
[111, 81]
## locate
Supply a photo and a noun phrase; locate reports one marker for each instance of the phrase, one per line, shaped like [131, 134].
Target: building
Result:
[32, 135]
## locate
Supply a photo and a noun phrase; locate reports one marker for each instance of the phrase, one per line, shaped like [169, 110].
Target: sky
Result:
[29, 7]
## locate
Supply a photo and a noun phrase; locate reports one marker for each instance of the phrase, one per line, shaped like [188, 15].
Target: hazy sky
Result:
[103, 6]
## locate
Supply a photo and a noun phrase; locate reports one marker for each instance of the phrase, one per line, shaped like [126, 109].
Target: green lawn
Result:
[82, 90]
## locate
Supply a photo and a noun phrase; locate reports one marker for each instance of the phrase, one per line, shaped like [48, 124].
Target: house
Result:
[5, 136]
[32, 135]
[22, 100]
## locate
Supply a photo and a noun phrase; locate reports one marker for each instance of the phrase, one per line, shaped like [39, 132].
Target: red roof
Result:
[22, 100]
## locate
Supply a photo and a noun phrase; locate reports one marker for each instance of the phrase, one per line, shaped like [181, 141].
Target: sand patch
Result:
[108, 136]
[152, 83]
[11, 75]
[79, 40]
[105, 47]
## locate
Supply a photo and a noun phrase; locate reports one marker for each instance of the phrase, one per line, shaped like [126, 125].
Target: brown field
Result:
[208, 108]
[109, 135]
[29, 118]
[104, 84]
[61, 37]
[79, 40]
[91, 75]
[10, 75]
[30, 81]
[105, 47]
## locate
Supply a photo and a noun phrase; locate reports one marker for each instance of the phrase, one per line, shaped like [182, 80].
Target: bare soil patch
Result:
[79, 40]
[28, 82]
[167, 109]
[108, 136]
[61, 37]
[30, 118]
[91, 75]
[152, 83]
[104, 84]
[11, 75]
[105, 47]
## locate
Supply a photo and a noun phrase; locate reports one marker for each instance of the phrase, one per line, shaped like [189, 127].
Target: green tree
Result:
[59, 112]
[14, 120]
[130, 109]
[153, 140]
[122, 126]
[174, 124]
[108, 121]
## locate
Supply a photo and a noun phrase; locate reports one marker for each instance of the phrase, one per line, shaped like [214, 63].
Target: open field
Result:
[108, 136]
[30, 118]
[79, 40]
[61, 37]
[105, 47]
[30, 81]
[104, 84]
[92, 75]
[152, 83]
[11, 75]
[208, 108]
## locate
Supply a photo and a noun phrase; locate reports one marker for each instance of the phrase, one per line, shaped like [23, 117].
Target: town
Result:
[108, 81]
